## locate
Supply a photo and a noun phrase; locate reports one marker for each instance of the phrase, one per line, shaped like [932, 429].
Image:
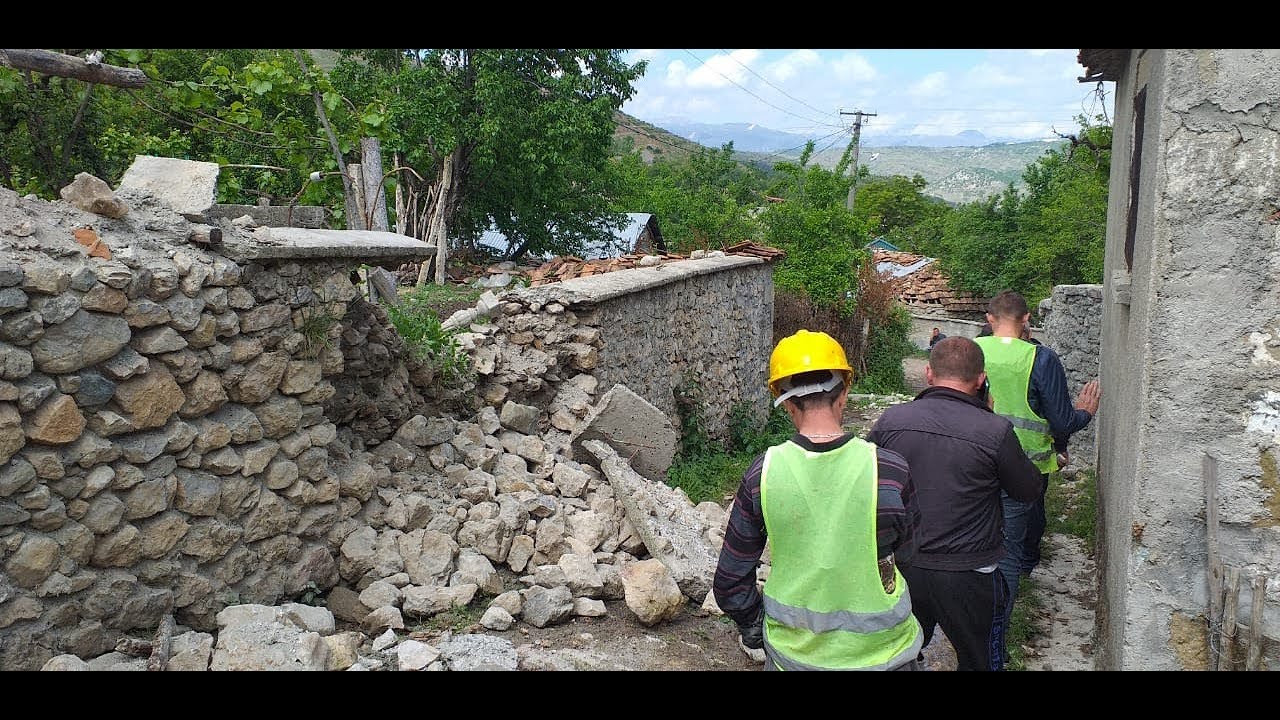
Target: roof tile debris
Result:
[921, 285]
[567, 267]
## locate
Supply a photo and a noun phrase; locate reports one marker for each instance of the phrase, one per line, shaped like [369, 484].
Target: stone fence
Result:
[183, 427]
[1073, 321]
[704, 325]
[166, 441]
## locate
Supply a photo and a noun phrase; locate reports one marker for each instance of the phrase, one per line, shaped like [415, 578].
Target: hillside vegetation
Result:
[955, 174]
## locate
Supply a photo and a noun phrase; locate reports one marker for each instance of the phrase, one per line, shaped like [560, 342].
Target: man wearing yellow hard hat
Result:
[839, 514]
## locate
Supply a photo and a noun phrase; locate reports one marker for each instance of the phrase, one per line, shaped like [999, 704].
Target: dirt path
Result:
[1066, 595]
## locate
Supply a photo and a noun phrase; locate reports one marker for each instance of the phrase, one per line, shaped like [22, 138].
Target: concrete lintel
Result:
[308, 244]
[598, 288]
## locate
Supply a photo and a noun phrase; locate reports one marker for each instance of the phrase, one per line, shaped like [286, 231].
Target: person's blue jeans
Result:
[1024, 524]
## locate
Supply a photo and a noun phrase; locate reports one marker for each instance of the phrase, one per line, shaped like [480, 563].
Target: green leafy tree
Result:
[704, 201]
[517, 139]
[823, 240]
[1052, 234]
[897, 209]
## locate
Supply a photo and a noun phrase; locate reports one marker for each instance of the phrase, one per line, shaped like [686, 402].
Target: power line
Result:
[766, 102]
[766, 81]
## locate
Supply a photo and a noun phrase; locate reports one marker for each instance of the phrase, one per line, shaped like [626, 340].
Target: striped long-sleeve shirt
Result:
[744, 539]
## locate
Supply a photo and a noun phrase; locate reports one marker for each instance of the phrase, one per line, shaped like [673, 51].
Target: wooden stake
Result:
[1254, 661]
[1227, 633]
[1213, 566]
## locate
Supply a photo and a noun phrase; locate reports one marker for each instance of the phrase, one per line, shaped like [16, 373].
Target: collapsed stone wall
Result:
[181, 431]
[1072, 326]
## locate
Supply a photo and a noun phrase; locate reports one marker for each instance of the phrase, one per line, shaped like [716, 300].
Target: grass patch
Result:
[1071, 506]
[457, 619]
[443, 300]
[1021, 628]
[709, 470]
[710, 476]
[420, 326]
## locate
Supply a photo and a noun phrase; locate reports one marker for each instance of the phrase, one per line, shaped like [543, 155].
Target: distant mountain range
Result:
[958, 168]
[749, 137]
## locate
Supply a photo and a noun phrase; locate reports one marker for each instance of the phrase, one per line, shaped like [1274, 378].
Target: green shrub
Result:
[427, 339]
[888, 342]
[709, 470]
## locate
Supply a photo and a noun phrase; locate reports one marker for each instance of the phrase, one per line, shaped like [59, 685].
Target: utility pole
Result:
[857, 131]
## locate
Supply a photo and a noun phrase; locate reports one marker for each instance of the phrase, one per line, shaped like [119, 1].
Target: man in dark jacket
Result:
[961, 456]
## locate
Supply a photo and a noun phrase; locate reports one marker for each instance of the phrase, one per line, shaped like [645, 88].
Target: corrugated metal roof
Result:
[896, 270]
[624, 239]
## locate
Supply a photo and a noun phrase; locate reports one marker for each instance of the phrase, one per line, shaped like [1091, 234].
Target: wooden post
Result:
[1227, 635]
[355, 172]
[1254, 660]
[1214, 563]
[375, 200]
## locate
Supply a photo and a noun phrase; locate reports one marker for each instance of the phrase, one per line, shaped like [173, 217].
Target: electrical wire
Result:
[766, 81]
[702, 62]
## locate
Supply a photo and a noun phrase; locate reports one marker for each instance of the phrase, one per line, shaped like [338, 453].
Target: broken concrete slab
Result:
[288, 243]
[634, 428]
[187, 186]
[672, 529]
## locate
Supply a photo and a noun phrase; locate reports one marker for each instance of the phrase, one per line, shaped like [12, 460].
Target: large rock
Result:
[91, 194]
[188, 187]
[80, 341]
[57, 422]
[149, 400]
[258, 637]
[478, 652]
[634, 428]
[650, 591]
[543, 607]
[672, 529]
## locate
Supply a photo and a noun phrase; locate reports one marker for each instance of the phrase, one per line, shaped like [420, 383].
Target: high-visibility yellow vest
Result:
[1008, 365]
[825, 606]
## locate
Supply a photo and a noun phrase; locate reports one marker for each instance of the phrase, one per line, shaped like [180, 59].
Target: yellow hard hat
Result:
[805, 351]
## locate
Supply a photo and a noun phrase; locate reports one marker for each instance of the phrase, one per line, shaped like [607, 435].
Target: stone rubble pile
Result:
[456, 511]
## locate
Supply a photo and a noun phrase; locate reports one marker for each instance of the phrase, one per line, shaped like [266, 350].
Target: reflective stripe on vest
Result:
[1008, 362]
[785, 663]
[825, 606]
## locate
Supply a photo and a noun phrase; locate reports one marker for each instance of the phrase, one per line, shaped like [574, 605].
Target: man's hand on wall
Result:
[1088, 398]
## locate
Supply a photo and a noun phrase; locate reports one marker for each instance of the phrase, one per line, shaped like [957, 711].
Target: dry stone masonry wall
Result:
[1072, 325]
[163, 438]
[706, 322]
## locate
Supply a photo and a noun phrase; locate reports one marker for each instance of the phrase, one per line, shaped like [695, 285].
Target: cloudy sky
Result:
[1016, 94]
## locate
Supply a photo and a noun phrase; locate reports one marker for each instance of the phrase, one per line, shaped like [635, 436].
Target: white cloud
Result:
[930, 85]
[722, 70]
[853, 67]
[1042, 53]
[649, 54]
[676, 72]
[791, 64]
[986, 74]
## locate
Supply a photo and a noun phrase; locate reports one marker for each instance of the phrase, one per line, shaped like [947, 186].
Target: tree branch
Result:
[348, 192]
[75, 122]
[57, 64]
